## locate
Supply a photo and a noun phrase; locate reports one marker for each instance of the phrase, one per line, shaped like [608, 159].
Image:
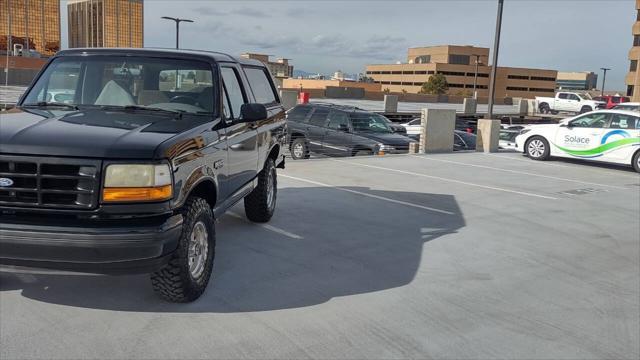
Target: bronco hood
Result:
[94, 133]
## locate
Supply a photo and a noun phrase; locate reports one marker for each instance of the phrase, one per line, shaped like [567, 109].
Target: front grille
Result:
[64, 183]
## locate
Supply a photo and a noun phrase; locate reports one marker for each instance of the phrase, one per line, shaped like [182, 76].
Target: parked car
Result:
[130, 175]
[396, 128]
[570, 102]
[631, 106]
[341, 131]
[413, 127]
[463, 140]
[611, 100]
[607, 136]
[507, 139]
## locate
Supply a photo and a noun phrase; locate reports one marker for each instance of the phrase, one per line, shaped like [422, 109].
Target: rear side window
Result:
[563, 96]
[338, 120]
[319, 117]
[262, 88]
[299, 113]
[622, 121]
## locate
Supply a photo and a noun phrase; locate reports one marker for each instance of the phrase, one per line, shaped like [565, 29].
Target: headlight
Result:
[524, 131]
[382, 149]
[133, 182]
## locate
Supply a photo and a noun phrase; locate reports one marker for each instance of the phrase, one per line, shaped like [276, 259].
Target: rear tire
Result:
[185, 277]
[260, 204]
[636, 161]
[585, 109]
[544, 108]
[299, 149]
[537, 148]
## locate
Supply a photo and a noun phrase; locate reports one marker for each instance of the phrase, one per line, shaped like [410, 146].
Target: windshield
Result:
[118, 81]
[369, 122]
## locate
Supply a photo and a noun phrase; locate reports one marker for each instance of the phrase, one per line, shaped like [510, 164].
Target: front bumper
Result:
[92, 248]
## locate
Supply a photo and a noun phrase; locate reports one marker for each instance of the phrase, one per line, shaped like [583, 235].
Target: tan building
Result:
[307, 84]
[458, 65]
[106, 23]
[584, 80]
[31, 24]
[633, 78]
[279, 69]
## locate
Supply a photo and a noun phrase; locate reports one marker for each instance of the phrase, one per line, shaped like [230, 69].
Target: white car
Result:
[632, 106]
[568, 101]
[606, 135]
[507, 139]
[413, 127]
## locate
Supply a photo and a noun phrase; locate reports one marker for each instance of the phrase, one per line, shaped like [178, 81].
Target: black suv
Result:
[341, 131]
[129, 171]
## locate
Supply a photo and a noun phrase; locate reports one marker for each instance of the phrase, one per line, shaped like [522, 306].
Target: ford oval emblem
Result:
[5, 182]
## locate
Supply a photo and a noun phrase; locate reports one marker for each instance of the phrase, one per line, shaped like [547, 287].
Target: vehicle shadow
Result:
[350, 244]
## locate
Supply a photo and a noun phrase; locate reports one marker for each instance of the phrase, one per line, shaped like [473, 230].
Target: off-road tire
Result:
[258, 206]
[635, 162]
[543, 148]
[174, 282]
[299, 142]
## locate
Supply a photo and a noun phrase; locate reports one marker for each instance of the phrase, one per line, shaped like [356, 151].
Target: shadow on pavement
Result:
[351, 245]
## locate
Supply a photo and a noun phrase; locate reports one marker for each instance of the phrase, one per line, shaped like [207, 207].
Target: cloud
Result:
[245, 11]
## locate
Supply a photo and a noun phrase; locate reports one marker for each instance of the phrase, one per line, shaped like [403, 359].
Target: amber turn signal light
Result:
[116, 194]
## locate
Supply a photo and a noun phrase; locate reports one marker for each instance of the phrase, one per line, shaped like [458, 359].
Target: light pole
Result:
[177, 21]
[494, 67]
[604, 79]
[475, 78]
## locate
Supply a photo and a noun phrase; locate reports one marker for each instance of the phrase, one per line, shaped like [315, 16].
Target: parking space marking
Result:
[452, 180]
[267, 227]
[519, 172]
[369, 195]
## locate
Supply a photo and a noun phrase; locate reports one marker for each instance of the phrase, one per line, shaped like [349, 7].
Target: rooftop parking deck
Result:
[463, 255]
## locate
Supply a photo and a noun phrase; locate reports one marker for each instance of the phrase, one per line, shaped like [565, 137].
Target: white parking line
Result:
[268, 227]
[519, 172]
[369, 195]
[451, 180]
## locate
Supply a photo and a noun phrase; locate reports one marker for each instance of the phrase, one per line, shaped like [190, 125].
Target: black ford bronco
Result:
[117, 161]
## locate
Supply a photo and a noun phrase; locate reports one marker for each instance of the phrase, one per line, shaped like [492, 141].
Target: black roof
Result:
[160, 52]
[336, 106]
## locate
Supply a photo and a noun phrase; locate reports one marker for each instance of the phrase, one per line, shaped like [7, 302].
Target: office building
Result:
[30, 27]
[577, 80]
[633, 78]
[279, 69]
[105, 23]
[458, 65]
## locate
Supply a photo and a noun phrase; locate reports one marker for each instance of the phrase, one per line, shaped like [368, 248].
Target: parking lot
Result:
[463, 255]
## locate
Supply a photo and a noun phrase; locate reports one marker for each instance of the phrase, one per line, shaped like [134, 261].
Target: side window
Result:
[574, 97]
[319, 117]
[563, 96]
[233, 92]
[457, 141]
[338, 120]
[416, 122]
[621, 121]
[261, 85]
[299, 113]
[597, 121]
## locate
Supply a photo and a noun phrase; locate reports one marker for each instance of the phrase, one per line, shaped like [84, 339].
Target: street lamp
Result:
[494, 68]
[178, 21]
[604, 79]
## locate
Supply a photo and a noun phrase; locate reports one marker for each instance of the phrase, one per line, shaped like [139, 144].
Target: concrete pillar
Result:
[523, 107]
[488, 135]
[289, 98]
[437, 130]
[391, 103]
[469, 106]
[414, 148]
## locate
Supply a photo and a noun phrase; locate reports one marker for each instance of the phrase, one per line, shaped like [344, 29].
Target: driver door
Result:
[337, 136]
[581, 136]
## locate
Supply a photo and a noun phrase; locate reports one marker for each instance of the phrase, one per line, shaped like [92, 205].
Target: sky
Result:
[326, 35]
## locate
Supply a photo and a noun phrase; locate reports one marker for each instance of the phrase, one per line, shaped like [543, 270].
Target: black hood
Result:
[392, 139]
[94, 133]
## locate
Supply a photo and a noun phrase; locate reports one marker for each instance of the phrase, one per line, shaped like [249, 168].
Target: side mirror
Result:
[252, 112]
[343, 127]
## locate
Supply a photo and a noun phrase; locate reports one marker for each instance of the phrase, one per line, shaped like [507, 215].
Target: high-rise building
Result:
[32, 25]
[463, 66]
[633, 78]
[280, 69]
[584, 80]
[105, 23]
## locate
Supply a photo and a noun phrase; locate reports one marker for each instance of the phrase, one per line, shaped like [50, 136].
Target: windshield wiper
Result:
[142, 108]
[52, 104]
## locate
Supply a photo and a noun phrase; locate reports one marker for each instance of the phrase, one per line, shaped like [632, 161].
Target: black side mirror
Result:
[343, 127]
[252, 112]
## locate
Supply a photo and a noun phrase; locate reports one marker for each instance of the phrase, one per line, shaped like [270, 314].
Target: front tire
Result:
[185, 277]
[544, 108]
[636, 161]
[537, 148]
[299, 149]
[260, 204]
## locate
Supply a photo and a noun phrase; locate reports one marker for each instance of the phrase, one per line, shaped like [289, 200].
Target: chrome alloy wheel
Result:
[298, 150]
[198, 249]
[536, 148]
[271, 190]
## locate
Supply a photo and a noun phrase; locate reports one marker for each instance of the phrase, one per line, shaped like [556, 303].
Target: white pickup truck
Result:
[570, 102]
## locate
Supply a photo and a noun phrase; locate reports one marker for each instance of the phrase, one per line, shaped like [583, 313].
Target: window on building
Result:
[515, 88]
[518, 77]
[421, 73]
[459, 59]
[638, 18]
[633, 65]
[451, 73]
[407, 72]
[630, 90]
[542, 90]
[261, 86]
[636, 40]
[543, 78]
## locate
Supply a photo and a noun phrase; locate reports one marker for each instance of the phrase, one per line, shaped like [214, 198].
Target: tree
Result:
[386, 91]
[436, 85]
